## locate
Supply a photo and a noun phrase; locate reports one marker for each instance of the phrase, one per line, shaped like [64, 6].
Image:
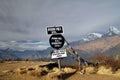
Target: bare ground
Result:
[10, 66]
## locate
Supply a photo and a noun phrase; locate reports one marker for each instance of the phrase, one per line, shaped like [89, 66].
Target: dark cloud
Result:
[27, 19]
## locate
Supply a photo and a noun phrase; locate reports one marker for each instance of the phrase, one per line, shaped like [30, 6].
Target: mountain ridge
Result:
[103, 43]
[89, 45]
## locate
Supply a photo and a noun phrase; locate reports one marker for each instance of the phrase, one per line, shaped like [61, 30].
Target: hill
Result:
[103, 45]
[5, 55]
[114, 50]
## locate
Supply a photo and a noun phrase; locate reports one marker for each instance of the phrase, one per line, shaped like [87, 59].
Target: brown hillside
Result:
[100, 45]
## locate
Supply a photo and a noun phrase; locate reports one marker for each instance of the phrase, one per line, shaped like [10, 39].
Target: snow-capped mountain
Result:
[93, 36]
[87, 38]
[106, 45]
[113, 31]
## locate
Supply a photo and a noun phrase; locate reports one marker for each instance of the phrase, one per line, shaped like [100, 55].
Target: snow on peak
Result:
[93, 36]
[113, 30]
[98, 35]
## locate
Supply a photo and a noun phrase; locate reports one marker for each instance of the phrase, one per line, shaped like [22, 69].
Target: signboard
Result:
[57, 41]
[54, 30]
[59, 54]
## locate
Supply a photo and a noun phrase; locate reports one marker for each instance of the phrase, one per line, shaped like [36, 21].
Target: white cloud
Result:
[27, 45]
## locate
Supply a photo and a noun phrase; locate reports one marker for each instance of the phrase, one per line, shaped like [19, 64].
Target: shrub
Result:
[1, 61]
[90, 70]
[108, 61]
[21, 70]
[104, 70]
[68, 70]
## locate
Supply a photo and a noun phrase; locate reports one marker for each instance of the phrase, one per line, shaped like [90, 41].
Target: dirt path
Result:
[78, 76]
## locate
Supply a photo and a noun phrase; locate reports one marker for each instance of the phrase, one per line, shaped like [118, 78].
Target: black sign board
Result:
[57, 41]
[54, 30]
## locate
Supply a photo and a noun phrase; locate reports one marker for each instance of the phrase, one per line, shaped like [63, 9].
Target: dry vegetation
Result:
[108, 61]
[108, 65]
[29, 70]
[25, 70]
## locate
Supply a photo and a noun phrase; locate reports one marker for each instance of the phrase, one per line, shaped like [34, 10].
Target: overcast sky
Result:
[28, 19]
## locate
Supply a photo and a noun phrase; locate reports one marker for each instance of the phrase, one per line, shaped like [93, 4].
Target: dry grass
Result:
[57, 72]
[90, 70]
[117, 73]
[104, 70]
[34, 71]
[108, 61]
[21, 70]
[67, 70]
[40, 71]
[108, 71]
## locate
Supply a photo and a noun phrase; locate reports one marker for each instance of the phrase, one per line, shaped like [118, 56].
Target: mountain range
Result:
[87, 46]
[100, 46]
